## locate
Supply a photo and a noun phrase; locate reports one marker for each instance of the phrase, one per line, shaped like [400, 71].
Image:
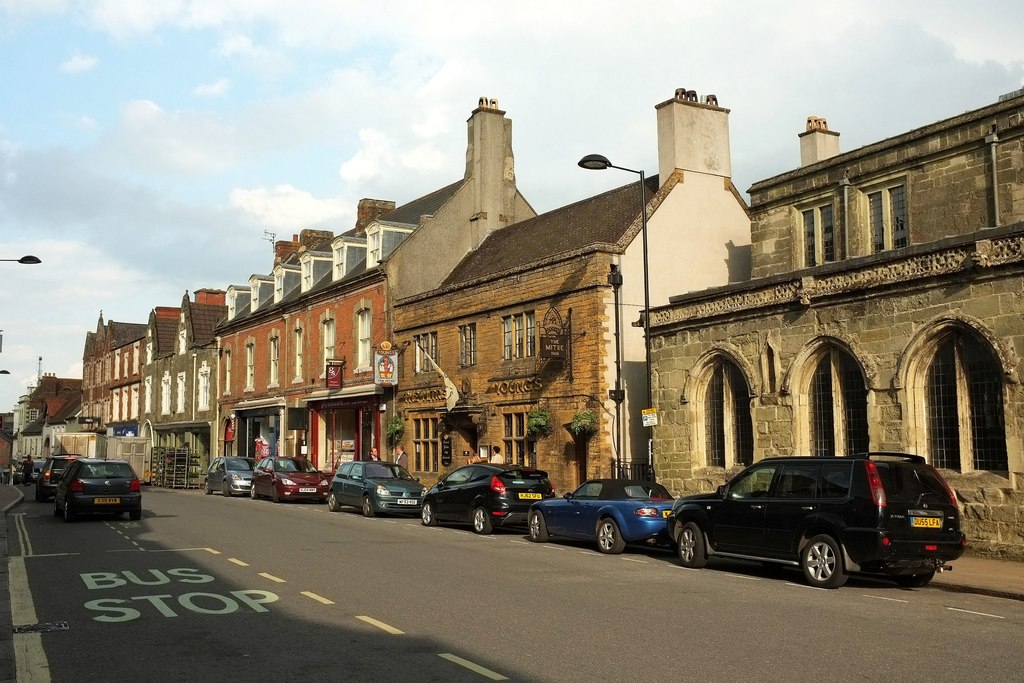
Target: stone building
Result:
[529, 324]
[100, 361]
[883, 312]
[178, 401]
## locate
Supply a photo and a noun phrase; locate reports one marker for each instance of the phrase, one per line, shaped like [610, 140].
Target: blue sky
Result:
[146, 146]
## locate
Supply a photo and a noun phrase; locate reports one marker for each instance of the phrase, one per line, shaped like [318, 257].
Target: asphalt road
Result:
[214, 589]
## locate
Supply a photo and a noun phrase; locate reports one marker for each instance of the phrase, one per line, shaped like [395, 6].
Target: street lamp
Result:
[597, 162]
[28, 260]
[5, 372]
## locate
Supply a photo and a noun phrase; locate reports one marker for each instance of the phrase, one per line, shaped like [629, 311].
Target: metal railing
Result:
[632, 470]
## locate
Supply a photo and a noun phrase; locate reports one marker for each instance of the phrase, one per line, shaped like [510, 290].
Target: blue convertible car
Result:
[612, 511]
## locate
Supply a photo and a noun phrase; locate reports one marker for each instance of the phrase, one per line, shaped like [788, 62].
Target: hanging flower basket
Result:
[583, 424]
[394, 428]
[538, 423]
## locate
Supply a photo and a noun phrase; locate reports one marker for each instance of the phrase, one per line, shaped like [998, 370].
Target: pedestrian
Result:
[496, 456]
[400, 456]
[374, 455]
[26, 470]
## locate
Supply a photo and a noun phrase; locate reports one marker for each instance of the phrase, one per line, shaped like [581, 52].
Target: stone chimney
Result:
[490, 167]
[817, 142]
[283, 249]
[369, 210]
[693, 135]
[210, 297]
[310, 237]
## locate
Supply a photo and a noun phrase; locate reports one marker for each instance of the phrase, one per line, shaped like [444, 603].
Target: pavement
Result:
[970, 574]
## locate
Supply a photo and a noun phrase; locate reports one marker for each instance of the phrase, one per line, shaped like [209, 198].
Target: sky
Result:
[154, 147]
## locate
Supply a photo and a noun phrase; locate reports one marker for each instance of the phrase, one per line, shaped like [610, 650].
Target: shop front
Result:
[254, 432]
[344, 429]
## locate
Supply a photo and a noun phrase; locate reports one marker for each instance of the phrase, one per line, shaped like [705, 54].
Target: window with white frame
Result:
[339, 261]
[519, 333]
[135, 358]
[181, 341]
[116, 401]
[819, 235]
[887, 218]
[135, 402]
[250, 365]
[204, 386]
[467, 345]
[117, 367]
[165, 393]
[326, 342]
[180, 402]
[373, 246]
[364, 348]
[426, 345]
[125, 367]
[298, 353]
[278, 286]
[149, 351]
[274, 348]
[125, 395]
[227, 371]
[307, 275]
[148, 401]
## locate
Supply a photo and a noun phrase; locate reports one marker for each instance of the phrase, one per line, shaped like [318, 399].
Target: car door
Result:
[354, 484]
[739, 521]
[341, 478]
[792, 500]
[215, 475]
[263, 477]
[581, 513]
[451, 493]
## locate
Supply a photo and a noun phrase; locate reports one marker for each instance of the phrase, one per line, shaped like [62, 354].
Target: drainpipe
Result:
[992, 138]
[845, 184]
[617, 394]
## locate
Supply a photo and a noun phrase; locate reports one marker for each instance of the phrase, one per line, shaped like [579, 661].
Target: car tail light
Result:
[647, 512]
[496, 485]
[875, 484]
[931, 548]
[76, 486]
[46, 476]
[886, 541]
[135, 486]
[952, 496]
[499, 513]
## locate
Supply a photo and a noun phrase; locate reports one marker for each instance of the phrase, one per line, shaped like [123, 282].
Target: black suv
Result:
[46, 482]
[878, 513]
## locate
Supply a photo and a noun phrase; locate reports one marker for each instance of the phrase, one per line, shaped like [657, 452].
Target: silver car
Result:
[230, 476]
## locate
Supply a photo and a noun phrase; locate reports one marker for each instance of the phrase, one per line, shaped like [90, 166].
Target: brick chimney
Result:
[490, 166]
[310, 237]
[167, 311]
[283, 249]
[369, 210]
[817, 142]
[210, 297]
[693, 135]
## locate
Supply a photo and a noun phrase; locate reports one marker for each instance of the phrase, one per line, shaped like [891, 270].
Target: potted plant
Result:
[583, 423]
[394, 428]
[538, 423]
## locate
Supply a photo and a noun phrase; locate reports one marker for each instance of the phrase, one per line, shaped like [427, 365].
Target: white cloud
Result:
[285, 207]
[77, 63]
[214, 89]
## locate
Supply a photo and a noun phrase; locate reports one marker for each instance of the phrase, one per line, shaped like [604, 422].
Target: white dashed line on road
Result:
[551, 547]
[743, 576]
[980, 614]
[800, 585]
[630, 559]
[879, 597]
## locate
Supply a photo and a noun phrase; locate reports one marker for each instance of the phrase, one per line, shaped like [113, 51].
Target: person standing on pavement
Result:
[400, 457]
[374, 455]
[26, 470]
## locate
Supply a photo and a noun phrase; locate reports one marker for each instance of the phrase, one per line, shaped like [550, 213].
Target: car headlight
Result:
[287, 482]
[382, 491]
[234, 476]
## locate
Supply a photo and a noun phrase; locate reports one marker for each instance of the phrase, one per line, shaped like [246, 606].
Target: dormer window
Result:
[339, 261]
[373, 240]
[254, 302]
[307, 274]
[181, 341]
[278, 286]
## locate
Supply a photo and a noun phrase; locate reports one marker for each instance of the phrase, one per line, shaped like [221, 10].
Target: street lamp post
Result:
[28, 260]
[597, 162]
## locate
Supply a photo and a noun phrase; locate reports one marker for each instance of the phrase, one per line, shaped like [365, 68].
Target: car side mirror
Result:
[568, 496]
[417, 480]
[721, 491]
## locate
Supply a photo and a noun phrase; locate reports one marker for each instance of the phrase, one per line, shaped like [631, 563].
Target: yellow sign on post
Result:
[649, 417]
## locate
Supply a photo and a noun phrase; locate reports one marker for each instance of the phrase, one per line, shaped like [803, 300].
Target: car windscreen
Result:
[379, 470]
[908, 483]
[59, 465]
[243, 464]
[106, 470]
[524, 475]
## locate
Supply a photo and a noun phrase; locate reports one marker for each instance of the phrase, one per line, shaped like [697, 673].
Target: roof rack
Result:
[888, 455]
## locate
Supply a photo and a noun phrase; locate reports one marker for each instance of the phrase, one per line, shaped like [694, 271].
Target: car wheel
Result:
[206, 489]
[427, 517]
[822, 562]
[915, 580]
[69, 516]
[481, 521]
[274, 496]
[135, 515]
[332, 502]
[538, 528]
[609, 540]
[225, 490]
[367, 507]
[252, 493]
[690, 546]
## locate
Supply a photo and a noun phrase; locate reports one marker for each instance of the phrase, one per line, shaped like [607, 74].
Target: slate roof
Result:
[602, 219]
[125, 333]
[427, 205]
[204, 318]
[166, 332]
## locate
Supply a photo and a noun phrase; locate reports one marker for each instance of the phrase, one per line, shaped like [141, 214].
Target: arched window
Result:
[964, 406]
[837, 406]
[728, 433]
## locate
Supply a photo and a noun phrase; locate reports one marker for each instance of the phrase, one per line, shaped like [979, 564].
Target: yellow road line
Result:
[381, 625]
[483, 671]
[31, 665]
[318, 598]
[238, 562]
[272, 577]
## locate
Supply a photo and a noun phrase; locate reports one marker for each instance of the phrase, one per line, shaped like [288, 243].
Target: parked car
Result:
[91, 486]
[53, 468]
[613, 512]
[230, 476]
[281, 478]
[375, 487]
[485, 495]
[887, 514]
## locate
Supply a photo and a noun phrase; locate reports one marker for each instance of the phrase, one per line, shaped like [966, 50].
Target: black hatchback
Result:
[46, 482]
[92, 486]
[485, 496]
[879, 513]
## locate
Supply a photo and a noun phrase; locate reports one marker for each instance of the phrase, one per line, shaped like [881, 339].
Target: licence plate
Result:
[407, 501]
[106, 501]
[926, 522]
[308, 490]
[530, 496]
